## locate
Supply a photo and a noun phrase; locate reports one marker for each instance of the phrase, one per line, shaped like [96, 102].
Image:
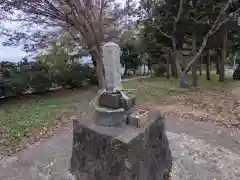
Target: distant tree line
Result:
[198, 26]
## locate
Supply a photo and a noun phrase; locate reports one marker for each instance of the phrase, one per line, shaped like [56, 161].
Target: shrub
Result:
[71, 77]
[41, 78]
[2, 88]
[14, 85]
[91, 75]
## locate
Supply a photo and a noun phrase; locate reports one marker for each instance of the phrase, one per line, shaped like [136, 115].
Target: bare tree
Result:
[89, 22]
[221, 20]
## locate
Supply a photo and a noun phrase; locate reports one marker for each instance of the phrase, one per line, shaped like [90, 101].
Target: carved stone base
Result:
[110, 100]
[130, 153]
[116, 101]
[110, 117]
[129, 103]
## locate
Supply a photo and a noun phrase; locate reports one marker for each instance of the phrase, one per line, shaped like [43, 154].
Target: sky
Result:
[13, 54]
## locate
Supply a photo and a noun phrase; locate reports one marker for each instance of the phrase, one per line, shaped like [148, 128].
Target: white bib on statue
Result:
[112, 66]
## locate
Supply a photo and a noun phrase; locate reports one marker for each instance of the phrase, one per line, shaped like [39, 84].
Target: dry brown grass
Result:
[213, 101]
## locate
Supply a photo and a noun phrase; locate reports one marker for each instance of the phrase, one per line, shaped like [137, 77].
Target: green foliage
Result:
[73, 76]
[196, 17]
[2, 92]
[129, 55]
[41, 78]
[12, 81]
[15, 85]
[57, 59]
[6, 68]
[159, 69]
[91, 75]
[65, 72]
[235, 47]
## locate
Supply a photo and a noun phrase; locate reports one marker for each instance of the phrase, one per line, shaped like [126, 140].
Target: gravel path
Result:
[201, 151]
[196, 159]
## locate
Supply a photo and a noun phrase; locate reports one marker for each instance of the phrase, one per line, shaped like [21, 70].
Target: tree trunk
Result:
[94, 60]
[150, 66]
[125, 70]
[175, 65]
[178, 68]
[100, 75]
[194, 74]
[183, 81]
[194, 68]
[208, 65]
[168, 65]
[200, 65]
[223, 58]
[215, 27]
[134, 71]
[99, 70]
[218, 59]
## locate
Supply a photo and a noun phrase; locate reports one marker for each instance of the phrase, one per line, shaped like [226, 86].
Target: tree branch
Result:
[101, 14]
[175, 25]
[216, 26]
[164, 34]
[198, 21]
[180, 9]
[101, 10]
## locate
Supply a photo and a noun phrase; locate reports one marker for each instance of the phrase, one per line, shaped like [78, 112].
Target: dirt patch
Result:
[236, 92]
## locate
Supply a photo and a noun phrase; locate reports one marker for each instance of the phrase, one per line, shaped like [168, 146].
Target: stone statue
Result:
[112, 65]
[107, 146]
[113, 104]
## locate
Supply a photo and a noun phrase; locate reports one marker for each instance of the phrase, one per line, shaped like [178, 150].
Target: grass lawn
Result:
[158, 89]
[29, 116]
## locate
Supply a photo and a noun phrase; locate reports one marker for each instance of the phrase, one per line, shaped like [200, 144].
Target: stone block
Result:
[110, 117]
[110, 100]
[108, 153]
[138, 118]
[127, 104]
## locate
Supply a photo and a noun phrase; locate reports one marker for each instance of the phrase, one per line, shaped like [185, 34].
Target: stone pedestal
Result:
[110, 117]
[116, 101]
[110, 100]
[130, 153]
[112, 109]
